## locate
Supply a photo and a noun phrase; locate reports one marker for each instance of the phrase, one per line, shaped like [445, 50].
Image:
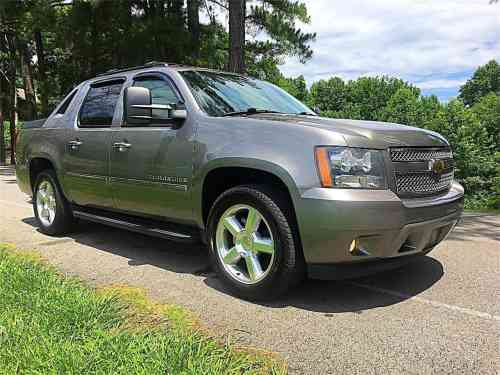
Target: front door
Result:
[86, 160]
[151, 166]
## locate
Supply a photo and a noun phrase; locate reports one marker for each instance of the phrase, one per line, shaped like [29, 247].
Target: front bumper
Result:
[385, 228]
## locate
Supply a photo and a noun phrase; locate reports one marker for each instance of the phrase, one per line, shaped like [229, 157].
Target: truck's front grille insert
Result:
[423, 183]
[422, 171]
[419, 155]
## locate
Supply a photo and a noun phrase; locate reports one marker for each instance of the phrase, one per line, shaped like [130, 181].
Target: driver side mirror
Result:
[139, 109]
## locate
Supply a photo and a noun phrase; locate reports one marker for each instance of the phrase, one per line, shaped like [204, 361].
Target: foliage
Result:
[329, 95]
[295, 86]
[278, 19]
[472, 150]
[402, 108]
[81, 38]
[487, 109]
[364, 98]
[50, 324]
[485, 80]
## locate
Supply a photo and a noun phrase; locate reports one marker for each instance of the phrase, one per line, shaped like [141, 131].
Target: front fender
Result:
[239, 162]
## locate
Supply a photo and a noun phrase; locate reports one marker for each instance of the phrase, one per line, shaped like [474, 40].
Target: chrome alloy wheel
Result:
[245, 244]
[46, 203]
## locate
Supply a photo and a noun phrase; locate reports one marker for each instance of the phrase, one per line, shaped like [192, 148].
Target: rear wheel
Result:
[52, 211]
[252, 244]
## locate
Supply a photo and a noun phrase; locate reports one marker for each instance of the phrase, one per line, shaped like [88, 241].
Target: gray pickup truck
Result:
[275, 191]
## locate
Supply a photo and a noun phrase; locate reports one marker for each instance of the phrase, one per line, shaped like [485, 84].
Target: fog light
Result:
[352, 246]
[357, 249]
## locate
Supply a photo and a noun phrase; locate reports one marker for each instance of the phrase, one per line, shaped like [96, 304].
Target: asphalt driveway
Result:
[437, 315]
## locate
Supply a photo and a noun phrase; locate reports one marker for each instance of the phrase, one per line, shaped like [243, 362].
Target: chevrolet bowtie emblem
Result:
[437, 167]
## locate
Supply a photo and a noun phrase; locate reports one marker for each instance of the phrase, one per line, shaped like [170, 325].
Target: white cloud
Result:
[433, 43]
[440, 84]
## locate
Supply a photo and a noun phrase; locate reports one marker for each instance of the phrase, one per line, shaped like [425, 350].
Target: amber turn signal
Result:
[324, 167]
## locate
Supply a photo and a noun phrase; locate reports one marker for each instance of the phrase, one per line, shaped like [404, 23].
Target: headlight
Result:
[346, 167]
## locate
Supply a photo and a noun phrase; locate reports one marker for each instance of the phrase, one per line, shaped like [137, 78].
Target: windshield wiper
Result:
[249, 111]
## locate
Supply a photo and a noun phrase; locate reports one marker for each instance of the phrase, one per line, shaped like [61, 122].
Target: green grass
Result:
[51, 324]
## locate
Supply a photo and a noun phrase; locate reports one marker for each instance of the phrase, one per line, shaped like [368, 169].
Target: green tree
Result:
[487, 109]
[494, 200]
[278, 19]
[296, 87]
[364, 98]
[473, 156]
[349, 111]
[373, 93]
[486, 79]
[431, 113]
[329, 95]
[402, 108]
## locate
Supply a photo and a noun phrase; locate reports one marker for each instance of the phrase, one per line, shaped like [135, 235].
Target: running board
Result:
[144, 228]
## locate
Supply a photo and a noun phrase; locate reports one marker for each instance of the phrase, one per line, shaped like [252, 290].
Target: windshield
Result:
[219, 94]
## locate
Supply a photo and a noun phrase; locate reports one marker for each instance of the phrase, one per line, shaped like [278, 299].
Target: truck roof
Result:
[152, 64]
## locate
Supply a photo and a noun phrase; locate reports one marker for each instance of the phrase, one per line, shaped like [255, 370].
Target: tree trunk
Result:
[12, 129]
[2, 94]
[12, 94]
[42, 74]
[2, 128]
[94, 43]
[237, 13]
[29, 90]
[193, 11]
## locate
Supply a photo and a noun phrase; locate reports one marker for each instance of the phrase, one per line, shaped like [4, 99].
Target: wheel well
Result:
[38, 165]
[221, 179]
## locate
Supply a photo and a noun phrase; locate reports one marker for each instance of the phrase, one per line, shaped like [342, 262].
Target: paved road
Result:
[439, 315]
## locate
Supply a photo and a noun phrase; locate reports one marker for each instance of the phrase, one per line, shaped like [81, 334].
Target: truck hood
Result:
[367, 134]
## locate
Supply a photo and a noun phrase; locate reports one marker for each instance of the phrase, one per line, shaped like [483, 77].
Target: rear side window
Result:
[99, 105]
[64, 106]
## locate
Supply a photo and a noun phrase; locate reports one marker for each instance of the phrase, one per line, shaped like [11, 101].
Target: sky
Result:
[434, 44]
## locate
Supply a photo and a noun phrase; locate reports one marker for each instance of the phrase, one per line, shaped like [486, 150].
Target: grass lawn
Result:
[51, 324]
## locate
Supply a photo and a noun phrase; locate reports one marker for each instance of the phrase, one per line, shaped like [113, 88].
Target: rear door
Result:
[86, 160]
[150, 172]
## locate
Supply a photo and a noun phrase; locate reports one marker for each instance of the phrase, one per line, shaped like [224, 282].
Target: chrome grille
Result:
[422, 183]
[420, 155]
[414, 173]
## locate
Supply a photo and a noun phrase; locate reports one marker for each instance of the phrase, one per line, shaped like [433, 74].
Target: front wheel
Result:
[51, 208]
[252, 243]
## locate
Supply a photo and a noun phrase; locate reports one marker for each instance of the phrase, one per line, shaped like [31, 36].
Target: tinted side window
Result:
[99, 105]
[62, 109]
[162, 92]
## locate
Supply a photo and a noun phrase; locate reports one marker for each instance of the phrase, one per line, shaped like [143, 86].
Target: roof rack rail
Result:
[147, 65]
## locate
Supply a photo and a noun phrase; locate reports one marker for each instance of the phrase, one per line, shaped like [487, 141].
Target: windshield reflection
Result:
[219, 94]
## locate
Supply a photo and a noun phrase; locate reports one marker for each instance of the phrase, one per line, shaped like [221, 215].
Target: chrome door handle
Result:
[74, 145]
[121, 146]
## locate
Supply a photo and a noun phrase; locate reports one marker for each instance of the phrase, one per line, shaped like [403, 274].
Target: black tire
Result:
[288, 267]
[63, 220]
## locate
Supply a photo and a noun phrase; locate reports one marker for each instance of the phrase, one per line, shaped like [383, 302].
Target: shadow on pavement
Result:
[7, 170]
[472, 227]
[332, 297]
[320, 296]
[140, 249]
